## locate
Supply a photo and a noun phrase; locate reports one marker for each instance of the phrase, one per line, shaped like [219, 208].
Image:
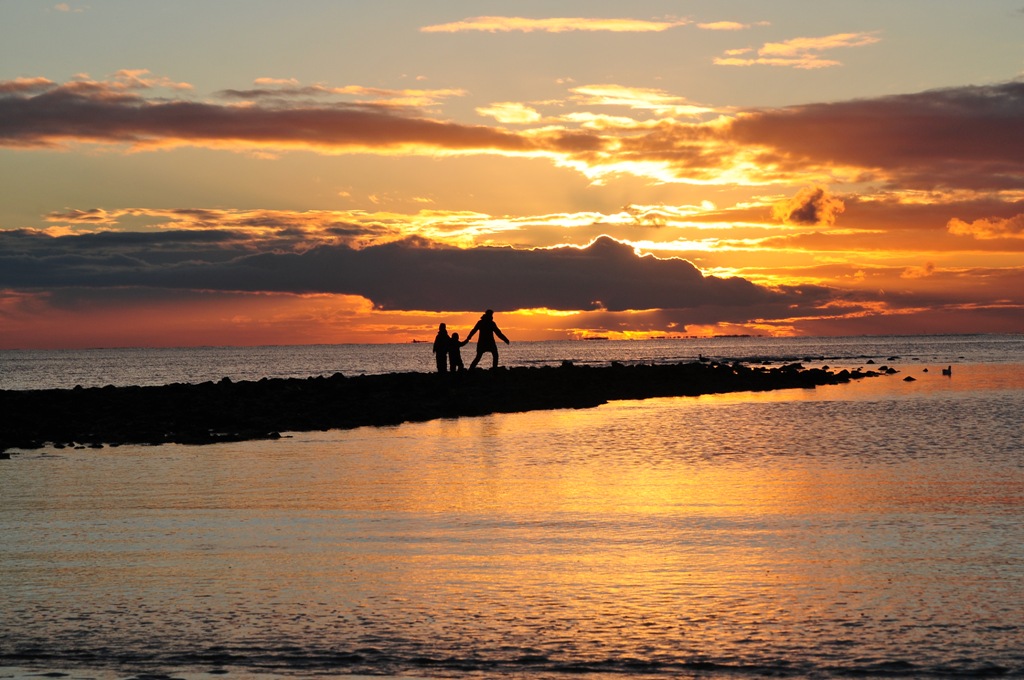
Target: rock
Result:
[233, 411]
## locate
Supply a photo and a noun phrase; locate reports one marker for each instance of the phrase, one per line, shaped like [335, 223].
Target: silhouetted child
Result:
[455, 353]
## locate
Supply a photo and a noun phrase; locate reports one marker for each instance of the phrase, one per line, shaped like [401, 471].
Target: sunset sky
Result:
[317, 171]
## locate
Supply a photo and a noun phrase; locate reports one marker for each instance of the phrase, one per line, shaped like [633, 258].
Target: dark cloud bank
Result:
[966, 137]
[405, 275]
[95, 113]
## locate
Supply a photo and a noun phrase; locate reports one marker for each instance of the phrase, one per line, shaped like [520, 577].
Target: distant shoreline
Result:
[222, 411]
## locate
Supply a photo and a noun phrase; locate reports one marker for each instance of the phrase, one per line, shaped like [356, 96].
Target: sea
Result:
[869, 529]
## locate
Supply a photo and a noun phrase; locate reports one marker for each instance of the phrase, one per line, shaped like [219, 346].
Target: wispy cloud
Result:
[142, 79]
[729, 25]
[277, 88]
[497, 24]
[21, 86]
[802, 53]
[637, 98]
[510, 112]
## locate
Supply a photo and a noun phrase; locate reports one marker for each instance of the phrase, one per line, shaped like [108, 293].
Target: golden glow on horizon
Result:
[629, 188]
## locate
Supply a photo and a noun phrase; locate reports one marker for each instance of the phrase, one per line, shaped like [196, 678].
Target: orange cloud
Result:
[802, 53]
[496, 24]
[637, 98]
[988, 228]
[142, 79]
[919, 272]
[797, 47]
[26, 86]
[510, 112]
[810, 206]
[728, 25]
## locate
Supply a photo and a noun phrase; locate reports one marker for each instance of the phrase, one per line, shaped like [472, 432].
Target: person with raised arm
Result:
[486, 343]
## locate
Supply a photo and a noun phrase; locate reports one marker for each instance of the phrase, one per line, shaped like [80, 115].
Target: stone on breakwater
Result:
[232, 411]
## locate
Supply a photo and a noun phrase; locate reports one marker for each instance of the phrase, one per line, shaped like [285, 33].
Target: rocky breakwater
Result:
[231, 411]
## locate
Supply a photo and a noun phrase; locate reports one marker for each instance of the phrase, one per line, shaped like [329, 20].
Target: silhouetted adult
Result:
[487, 329]
[441, 341]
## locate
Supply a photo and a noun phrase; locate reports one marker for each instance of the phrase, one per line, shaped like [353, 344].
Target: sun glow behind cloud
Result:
[675, 145]
[796, 218]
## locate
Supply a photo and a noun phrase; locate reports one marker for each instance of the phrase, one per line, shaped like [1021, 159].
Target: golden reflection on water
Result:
[796, 524]
[927, 380]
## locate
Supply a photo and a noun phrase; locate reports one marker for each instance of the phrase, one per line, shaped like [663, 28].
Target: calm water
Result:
[875, 528]
[28, 369]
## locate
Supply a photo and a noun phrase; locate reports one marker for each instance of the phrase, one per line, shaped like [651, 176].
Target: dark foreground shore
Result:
[234, 411]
